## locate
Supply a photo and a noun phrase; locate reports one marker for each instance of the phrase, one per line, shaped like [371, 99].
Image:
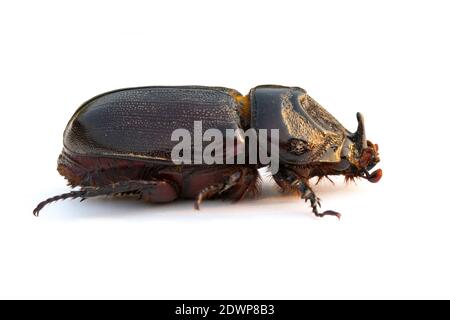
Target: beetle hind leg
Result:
[68, 195]
[149, 190]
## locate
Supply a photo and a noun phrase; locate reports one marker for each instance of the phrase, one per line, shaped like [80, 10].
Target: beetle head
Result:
[360, 156]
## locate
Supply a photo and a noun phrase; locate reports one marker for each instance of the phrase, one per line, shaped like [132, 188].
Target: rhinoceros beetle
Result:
[119, 143]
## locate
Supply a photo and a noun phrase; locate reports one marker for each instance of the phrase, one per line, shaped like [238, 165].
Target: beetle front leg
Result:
[292, 182]
[308, 194]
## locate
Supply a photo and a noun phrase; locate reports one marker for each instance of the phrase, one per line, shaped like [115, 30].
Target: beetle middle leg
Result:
[236, 185]
[217, 189]
[290, 181]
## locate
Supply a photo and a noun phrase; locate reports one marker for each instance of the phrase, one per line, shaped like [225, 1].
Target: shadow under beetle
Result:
[119, 143]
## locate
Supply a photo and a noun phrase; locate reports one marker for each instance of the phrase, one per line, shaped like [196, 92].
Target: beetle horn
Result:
[361, 131]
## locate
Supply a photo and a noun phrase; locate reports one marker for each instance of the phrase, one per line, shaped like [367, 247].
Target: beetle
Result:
[119, 143]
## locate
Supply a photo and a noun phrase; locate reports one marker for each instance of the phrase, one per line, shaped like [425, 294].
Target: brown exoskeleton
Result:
[119, 143]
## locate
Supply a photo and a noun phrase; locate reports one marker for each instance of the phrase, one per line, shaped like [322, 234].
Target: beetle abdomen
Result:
[137, 123]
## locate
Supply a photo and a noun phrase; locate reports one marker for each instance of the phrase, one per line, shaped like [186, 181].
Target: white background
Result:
[387, 59]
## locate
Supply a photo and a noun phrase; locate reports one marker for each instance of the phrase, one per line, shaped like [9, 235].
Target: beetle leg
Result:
[149, 190]
[308, 194]
[291, 181]
[248, 185]
[217, 189]
[72, 194]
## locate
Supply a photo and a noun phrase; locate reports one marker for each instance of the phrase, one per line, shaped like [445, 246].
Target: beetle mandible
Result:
[119, 143]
